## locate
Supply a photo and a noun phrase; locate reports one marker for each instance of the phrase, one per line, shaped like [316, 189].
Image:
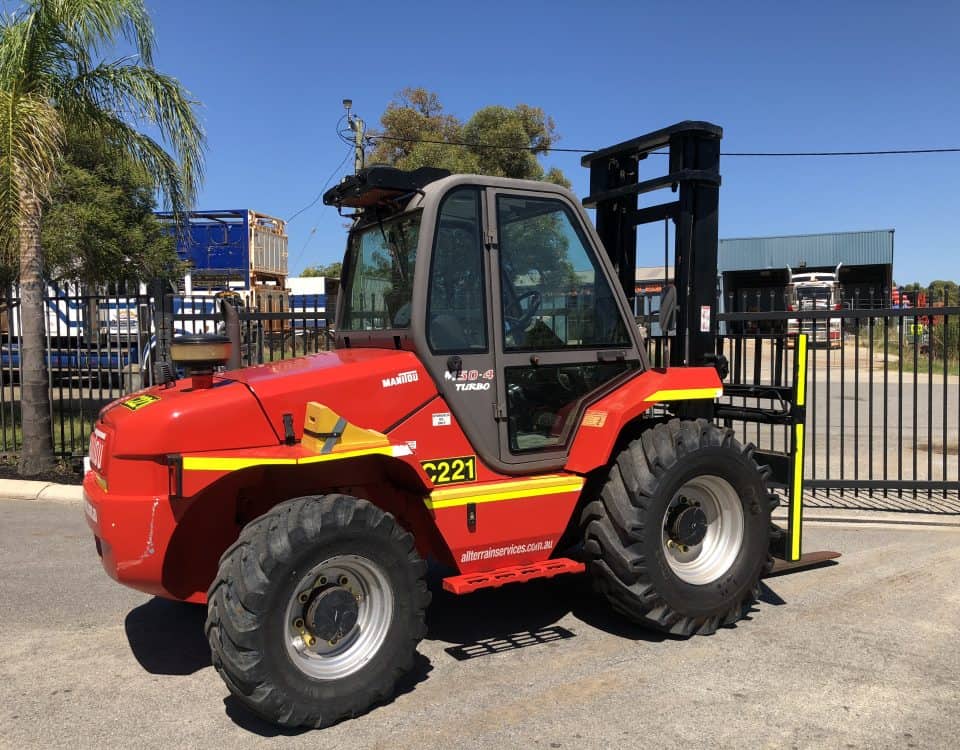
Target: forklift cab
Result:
[502, 289]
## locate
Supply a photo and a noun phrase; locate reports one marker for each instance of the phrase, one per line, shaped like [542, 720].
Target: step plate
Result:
[470, 582]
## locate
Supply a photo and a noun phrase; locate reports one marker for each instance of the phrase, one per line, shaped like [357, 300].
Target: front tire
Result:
[316, 610]
[679, 536]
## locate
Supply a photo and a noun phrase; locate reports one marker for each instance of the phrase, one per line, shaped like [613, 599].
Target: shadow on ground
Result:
[167, 637]
[522, 615]
[245, 719]
[498, 620]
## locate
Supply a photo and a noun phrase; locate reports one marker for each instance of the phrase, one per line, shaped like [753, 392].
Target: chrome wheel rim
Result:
[717, 514]
[345, 652]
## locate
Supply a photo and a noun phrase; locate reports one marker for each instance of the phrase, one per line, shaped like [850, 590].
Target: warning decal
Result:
[138, 402]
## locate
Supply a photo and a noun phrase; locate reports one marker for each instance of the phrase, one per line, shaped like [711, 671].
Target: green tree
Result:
[54, 80]
[943, 291]
[331, 270]
[501, 142]
[100, 225]
[504, 142]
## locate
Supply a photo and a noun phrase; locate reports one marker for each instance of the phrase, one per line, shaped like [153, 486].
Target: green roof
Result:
[807, 251]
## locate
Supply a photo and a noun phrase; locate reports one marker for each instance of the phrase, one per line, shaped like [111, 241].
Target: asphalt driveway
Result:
[859, 654]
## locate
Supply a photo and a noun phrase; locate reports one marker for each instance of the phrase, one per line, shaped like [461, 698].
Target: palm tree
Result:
[54, 78]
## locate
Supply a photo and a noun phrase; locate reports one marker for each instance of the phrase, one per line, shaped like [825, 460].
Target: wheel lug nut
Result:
[303, 597]
[342, 581]
[298, 623]
[323, 580]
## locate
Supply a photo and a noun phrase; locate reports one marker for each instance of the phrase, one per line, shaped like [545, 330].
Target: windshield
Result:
[380, 262]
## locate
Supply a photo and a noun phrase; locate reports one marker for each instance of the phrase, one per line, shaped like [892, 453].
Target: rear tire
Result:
[316, 610]
[680, 534]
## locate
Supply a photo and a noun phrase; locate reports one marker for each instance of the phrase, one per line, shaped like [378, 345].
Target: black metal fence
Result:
[883, 414]
[883, 398]
[268, 334]
[102, 346]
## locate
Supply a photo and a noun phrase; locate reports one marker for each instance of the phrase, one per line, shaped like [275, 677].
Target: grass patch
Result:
[71, 427]
[924, 364]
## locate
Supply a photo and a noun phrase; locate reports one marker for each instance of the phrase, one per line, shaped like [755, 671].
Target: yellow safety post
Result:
[799, 415]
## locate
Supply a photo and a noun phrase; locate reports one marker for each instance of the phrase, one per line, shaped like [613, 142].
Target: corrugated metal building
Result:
[753, 270]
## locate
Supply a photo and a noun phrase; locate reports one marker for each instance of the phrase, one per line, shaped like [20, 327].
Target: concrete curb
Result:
[23, 489]
[884, 517]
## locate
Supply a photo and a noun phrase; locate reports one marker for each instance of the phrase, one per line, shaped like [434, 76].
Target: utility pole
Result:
[358, 127]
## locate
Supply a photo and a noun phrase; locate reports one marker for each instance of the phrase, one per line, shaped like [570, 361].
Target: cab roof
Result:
[393, 188]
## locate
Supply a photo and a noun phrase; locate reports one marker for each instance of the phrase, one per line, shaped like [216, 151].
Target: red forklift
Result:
[490, 405]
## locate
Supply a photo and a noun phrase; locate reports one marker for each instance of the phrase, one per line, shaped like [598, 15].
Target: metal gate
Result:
[883, 401]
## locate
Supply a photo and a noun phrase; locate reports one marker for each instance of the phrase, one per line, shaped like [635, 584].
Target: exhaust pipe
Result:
[231, 321]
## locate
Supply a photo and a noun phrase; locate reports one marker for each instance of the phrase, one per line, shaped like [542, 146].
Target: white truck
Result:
[815, 291]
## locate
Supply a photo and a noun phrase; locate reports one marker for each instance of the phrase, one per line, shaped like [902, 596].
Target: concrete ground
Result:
[861, 654]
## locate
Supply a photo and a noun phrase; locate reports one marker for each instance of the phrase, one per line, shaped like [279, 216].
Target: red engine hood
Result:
[372, 388]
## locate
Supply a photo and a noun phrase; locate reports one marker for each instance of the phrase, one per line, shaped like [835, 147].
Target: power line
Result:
[345, 134]
[310, 237]
[325, 185]
[349, 141]
[466, 144]
[882, 152]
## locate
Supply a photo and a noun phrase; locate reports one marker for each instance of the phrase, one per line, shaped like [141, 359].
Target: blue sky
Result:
[776, 76]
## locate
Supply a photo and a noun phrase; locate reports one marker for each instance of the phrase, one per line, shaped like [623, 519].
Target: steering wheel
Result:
[518, 323]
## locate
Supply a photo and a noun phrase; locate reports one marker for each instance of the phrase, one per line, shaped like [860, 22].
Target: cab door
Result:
[458, 339]
[560, 332]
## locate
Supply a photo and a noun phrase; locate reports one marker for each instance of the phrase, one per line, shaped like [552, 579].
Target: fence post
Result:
[232, 323]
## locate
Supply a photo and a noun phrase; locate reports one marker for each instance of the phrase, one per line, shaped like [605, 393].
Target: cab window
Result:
[543, 401]
[553, 292]
[456, 304]
[380, 265]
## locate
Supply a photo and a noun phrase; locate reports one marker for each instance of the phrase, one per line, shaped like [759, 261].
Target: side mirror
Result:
[668, 309]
